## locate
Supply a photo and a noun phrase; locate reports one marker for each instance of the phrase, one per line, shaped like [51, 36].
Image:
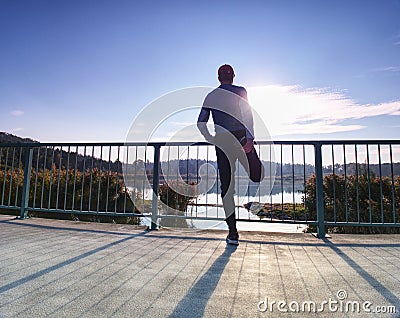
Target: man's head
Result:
[226, 74]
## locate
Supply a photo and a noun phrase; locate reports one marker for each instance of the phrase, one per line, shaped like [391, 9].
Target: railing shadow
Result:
[20, 222]
[202, 291]
[373, 282]
[50, 269]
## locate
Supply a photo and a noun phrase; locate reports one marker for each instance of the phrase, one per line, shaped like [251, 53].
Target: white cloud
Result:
[181, 124]
[17, 112]
[15, 130]
[394, 69]
[397, 41]
[292, 110]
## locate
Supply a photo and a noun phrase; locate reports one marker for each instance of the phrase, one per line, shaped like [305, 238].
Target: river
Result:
[210, 206]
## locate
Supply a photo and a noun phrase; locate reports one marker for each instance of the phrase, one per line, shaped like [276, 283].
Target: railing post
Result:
[27, 182]
[154, 203]
[319, 183]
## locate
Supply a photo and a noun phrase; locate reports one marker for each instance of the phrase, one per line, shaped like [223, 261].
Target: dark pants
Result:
[228, 151]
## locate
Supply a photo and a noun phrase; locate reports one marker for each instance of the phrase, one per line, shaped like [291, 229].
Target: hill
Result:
[12, 139]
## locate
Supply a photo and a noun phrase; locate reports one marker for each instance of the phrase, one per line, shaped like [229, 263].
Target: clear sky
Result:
[82, 70]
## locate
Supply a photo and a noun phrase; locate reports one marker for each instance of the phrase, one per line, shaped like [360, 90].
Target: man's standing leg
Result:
[226, 169]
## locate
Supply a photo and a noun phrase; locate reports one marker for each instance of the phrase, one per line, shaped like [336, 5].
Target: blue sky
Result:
[82, 70]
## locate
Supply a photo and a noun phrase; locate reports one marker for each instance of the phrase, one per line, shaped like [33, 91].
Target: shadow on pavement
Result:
[195, 301]
[64, 263]
[374, 283]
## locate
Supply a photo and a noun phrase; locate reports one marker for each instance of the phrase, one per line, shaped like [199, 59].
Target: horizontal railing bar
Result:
[7, 207]
[87, 212]
[361, 142]
[329, 142]
[268, 220]
[204, 218]
[362, 224]
[178, 143]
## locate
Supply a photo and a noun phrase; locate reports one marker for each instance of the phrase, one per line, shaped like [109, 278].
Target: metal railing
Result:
[320, 183]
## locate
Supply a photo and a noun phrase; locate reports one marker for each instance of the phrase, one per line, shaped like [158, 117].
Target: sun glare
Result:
[289, 110]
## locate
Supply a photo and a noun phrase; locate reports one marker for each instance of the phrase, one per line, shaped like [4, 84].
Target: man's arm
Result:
[247, 117]
[202, 124]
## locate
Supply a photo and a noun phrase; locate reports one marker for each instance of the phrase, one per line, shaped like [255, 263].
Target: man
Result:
[233, 140]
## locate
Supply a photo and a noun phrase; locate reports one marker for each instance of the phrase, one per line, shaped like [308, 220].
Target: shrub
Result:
[176, 196]
[366, 199]
[68, 190]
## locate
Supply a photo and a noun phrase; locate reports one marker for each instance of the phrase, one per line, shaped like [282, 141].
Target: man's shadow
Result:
[195, 301]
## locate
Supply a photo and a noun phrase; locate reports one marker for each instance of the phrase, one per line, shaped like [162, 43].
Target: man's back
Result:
[229, 108]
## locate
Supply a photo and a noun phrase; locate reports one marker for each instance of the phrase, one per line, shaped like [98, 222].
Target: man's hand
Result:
[210, 139]
[202, 126]
[248, 146]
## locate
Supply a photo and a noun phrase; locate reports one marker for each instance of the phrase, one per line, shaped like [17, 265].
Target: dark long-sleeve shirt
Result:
[230, 110]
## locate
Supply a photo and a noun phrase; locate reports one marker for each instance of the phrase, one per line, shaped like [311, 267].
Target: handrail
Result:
[202, 143]
[387, 213]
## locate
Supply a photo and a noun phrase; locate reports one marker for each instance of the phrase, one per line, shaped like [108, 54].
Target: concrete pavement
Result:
[54, 268]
